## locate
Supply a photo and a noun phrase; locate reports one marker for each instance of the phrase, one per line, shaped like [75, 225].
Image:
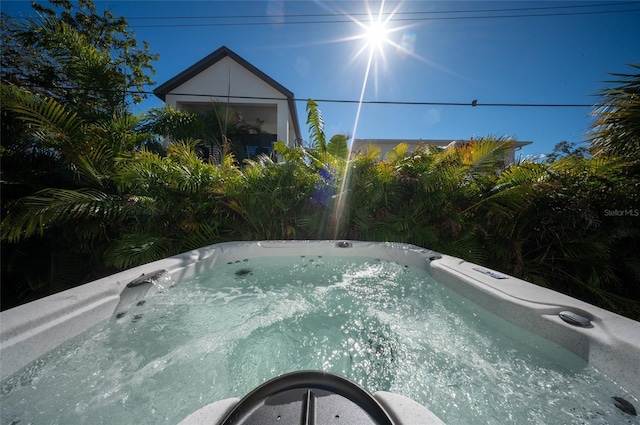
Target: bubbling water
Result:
[381, 324]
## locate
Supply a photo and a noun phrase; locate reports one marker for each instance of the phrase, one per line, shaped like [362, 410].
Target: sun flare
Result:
[376, 34]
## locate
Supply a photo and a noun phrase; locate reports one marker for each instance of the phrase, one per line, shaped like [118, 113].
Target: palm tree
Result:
[424, 197]
[67, 141]
[127, 205]
[546, 223]
[76, 152]
[616, 129]
[268, 199]
[170, 204]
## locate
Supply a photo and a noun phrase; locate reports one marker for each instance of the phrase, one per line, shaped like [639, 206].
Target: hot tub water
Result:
[381, 324]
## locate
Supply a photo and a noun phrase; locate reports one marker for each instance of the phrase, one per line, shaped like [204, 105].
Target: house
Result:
[224, 80]
[386, 145]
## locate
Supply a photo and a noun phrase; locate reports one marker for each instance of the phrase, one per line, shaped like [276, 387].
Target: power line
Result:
[423, 19]
[326, 15]
[473, 103]
[393, 16]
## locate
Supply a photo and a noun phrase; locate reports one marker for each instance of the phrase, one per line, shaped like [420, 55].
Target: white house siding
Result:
[228, 78]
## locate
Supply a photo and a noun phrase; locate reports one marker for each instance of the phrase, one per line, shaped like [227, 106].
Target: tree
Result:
[123, 205]
[83, 61]
[564, 149]
[66, 82]
[616, 129]
[426, 197]
[56, 256]
[77, 56]
[547, 223]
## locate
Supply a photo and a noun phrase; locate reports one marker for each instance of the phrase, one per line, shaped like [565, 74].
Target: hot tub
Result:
[571, 338]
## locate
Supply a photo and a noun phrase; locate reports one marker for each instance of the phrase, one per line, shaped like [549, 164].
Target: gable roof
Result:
[162, 90]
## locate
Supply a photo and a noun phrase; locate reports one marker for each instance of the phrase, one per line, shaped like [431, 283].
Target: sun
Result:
[376, 34]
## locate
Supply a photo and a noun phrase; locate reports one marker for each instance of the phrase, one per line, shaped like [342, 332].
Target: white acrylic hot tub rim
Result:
[611, 344]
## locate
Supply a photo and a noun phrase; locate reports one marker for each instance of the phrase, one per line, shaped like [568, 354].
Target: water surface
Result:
[381, 324]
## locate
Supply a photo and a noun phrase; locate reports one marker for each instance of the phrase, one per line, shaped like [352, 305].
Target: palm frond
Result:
[316, 126]
[371, 152]
[522, 174]
[616, 129]
[515, 189]
[137, 248]
[398, 153]
[32, 214]
[95, 166]
[487, 155]
[48, 120]
[338, 146]
[169, 122]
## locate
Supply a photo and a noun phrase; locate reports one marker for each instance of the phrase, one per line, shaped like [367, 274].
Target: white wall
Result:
[227, 77]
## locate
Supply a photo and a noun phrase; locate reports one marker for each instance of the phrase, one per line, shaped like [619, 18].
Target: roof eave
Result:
[195, 69]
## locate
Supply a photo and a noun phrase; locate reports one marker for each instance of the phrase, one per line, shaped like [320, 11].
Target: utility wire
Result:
[393, 16]
[473, 103]
[328, 15]
[342, 21]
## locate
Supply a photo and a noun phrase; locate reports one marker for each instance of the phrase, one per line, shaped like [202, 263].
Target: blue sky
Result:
[514, 52]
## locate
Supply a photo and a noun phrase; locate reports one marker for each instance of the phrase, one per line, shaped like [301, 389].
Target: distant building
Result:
[224, 78]
[386, 145]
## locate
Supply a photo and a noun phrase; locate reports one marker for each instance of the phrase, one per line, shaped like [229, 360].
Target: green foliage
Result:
[269, 198]
[398, 153]
[44, 53]
[564, 148]
[338, 146]
[548, 223]
[33, 214]
[46, 119]
[616, 129]
[316, 126]
[178, 125]
[62, 74]
[217, 128]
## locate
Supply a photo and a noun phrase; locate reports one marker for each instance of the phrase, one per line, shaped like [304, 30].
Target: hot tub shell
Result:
[609, 342]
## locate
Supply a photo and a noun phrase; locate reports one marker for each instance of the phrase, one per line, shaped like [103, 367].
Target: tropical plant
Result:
[616, 129]
[170, 204]
[337, 147]
[569, 223]
[330, 164]
[124, 205]
[218, 130]
[424, 197]
[269, 199]
[127, 206]
[167, 122]
[547, 224]
[76, 60]
[316, 126]
[81, 157]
